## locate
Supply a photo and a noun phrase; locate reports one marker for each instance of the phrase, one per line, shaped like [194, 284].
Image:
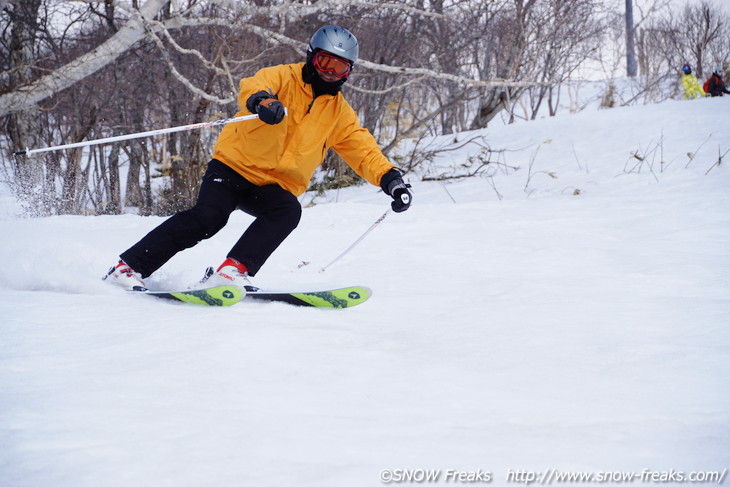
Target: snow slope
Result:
[570, 314]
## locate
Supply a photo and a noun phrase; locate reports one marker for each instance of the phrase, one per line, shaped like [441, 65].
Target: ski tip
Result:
[345, 297]
[362, 292]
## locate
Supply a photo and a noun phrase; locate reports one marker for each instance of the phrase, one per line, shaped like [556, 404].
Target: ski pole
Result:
[377, 222]
[138, 135]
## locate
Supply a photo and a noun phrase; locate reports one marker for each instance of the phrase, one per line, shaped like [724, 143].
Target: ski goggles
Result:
[330, 63]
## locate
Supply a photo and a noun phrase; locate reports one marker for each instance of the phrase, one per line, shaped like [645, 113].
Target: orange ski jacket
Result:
[288, 153]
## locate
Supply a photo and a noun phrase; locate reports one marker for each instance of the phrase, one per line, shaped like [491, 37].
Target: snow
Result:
[577, 321]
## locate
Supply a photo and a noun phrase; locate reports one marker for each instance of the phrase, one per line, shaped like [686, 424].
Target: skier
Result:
[715, 85]
[261, 166]
[690, 84]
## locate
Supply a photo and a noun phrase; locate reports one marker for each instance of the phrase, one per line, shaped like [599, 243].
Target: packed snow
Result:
[567, 309]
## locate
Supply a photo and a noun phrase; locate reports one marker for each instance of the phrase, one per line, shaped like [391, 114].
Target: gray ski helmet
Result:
[335, 40]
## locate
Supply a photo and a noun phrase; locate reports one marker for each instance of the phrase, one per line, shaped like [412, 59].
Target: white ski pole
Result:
[372, 227]
[138, 135]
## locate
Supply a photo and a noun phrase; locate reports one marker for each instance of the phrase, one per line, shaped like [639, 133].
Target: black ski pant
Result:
[222, 191]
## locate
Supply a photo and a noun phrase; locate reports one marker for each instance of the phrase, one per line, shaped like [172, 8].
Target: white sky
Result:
[725, 4]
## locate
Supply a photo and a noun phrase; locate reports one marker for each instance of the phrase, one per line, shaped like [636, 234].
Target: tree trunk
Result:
[489, 107]
[23, 128]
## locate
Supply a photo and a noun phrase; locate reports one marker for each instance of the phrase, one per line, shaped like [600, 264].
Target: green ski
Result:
[345, 297]
[213, 296]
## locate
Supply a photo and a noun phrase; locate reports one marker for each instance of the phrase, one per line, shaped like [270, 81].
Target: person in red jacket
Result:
[715, 85]
[261, 166]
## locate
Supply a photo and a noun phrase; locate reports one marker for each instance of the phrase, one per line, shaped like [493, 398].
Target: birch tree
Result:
[29, 94]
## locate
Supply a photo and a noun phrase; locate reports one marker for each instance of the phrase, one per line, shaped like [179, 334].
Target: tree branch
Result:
[27, 96]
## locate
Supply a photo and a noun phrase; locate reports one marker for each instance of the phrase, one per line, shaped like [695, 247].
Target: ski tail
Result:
[214, 296]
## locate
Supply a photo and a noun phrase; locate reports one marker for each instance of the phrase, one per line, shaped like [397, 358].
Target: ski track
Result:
[541, 330]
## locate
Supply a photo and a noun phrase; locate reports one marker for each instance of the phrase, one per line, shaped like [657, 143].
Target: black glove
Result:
[393, 185]
[267, 105]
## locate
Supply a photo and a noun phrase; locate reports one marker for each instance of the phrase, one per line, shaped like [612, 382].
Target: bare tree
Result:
[30, 94]
[567, 35]
[699, 27]
[538, 41]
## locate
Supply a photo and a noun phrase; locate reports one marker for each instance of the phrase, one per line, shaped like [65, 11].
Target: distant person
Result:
[715, 84]
[690, 84]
